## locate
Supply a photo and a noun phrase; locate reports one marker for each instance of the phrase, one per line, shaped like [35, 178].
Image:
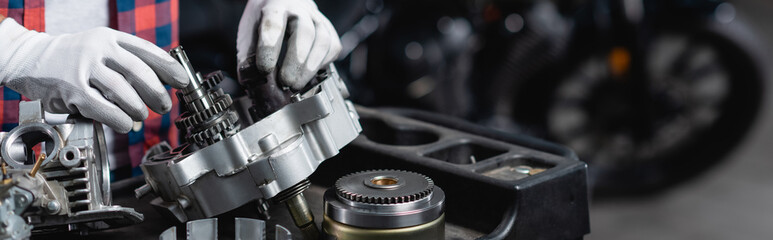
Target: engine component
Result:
[14, 201]
[223, 167]
[207, 117]
[67, 188]
[245, 229]
[384, 204]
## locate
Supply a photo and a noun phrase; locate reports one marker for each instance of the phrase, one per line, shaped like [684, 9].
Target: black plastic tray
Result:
[472, 164]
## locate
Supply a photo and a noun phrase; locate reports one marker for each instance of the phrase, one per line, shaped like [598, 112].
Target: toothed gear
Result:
[228, 124]
[212, 79]
[400, 187]
[222, 103]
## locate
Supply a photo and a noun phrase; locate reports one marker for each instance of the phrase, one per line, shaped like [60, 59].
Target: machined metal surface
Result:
[339, 231]
[245, 229]
[267, 159]
[207, 116]
[302, 216]
[384, 204]
[384, 187]
[58, 176]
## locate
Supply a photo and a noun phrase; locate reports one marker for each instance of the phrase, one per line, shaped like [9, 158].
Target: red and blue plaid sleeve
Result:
[152, 20]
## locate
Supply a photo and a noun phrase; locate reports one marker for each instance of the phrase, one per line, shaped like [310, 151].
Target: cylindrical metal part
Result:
[293, 199]
[302, 216]
[339, 231]
[38, 163]
[181, 57]
[194, 89]
[384, 204]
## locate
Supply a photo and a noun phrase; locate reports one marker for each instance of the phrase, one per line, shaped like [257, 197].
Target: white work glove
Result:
[101, 73]
[312, 44]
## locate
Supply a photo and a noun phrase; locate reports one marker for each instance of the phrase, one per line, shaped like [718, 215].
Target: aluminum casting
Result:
[62, 186]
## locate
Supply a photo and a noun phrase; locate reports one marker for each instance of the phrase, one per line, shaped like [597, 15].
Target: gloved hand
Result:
[312, 42]
[101, 73]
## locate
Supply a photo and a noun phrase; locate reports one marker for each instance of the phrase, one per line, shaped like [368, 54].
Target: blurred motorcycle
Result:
[648, 92]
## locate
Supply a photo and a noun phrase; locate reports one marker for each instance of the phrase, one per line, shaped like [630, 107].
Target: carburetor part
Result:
[224, 166]
[245, 229]
[64, 185]
[384, 204]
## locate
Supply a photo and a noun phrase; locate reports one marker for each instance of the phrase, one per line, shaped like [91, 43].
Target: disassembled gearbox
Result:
[223, 166]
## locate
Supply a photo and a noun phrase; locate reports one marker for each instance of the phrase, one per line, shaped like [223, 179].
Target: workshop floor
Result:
[732, 201]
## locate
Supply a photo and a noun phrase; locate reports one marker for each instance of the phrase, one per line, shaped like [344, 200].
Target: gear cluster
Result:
[209, 125]
[384, 187]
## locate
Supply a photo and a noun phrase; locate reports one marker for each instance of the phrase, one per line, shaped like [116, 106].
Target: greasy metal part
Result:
[245, 229]
[302, 216]
[384, 204]
[264, 90]
[68, 185]
[299, 209]
[268, 160]
[38, 163]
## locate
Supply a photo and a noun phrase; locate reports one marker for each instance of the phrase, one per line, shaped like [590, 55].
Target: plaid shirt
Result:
[152, 20]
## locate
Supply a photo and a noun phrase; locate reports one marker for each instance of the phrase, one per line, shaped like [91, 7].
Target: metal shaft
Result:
[37, 165]
[195, 97]
[181, 57]
[302, 216]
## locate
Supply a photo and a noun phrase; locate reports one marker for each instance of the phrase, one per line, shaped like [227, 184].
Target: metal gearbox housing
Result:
[275, 154]
[69, 189]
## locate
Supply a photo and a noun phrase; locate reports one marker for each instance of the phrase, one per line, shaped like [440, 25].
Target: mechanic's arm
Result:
[103, 74]
[1, 17]
[312, 44]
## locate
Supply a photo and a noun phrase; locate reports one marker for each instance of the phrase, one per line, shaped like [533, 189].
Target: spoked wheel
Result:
[699, 99]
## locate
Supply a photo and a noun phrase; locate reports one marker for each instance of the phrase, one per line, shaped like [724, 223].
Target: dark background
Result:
[733, 200]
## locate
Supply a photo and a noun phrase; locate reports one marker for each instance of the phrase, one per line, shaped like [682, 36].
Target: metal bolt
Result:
[522, 169]
[53, 206]
[142, 191]
[263, 208]
[183, 201]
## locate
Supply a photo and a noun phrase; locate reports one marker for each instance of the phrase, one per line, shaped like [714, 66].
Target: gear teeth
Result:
[229, 123]
[222, 103]
[342, 192]
[213, 79]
